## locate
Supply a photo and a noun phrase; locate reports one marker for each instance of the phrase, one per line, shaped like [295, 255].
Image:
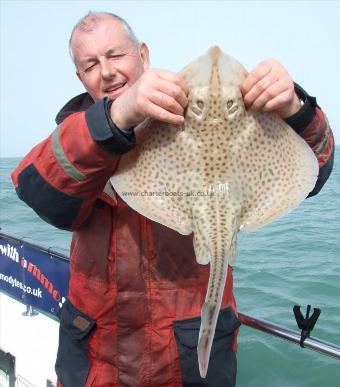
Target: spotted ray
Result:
[225, 169]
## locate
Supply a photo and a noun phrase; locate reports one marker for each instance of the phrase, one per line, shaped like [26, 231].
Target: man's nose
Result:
[108, 70]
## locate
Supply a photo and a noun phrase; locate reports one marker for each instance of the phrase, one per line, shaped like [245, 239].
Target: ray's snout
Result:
[215, 52]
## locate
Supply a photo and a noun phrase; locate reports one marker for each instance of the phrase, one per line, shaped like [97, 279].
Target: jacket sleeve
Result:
[311, 123]
[63, 176]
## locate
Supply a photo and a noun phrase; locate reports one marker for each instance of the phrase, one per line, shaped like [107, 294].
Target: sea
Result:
[292, 261]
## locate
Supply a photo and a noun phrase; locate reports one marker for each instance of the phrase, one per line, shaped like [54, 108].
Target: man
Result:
[132, 316]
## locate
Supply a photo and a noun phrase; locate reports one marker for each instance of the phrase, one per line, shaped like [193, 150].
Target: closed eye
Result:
[116, 56]
[89, 68]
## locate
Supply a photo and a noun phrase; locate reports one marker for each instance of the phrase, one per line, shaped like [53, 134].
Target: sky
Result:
[38, 77]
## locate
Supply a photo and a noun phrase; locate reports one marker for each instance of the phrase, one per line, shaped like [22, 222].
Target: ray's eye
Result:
[200, 104]
[230, 103]
[231, 109]
[197, 108]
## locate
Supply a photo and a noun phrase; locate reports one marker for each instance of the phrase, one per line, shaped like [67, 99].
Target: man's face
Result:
[108, 62]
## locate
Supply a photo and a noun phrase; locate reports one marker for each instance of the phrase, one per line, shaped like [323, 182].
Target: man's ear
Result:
[144, 55]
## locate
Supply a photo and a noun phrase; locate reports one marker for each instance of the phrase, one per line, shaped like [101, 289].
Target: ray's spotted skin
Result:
[224, 170]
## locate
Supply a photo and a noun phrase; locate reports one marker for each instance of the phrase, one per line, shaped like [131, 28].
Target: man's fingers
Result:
[166, 102]
[270, 87]
[169, 76]
[174, 79]
[183, 83]
[157, 94]
[278, 102]
[174, 91]
[259, 88]
[163, 115]
[259, 72]
[278, 91]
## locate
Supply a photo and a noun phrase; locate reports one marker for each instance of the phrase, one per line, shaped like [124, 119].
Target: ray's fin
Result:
[201, 247]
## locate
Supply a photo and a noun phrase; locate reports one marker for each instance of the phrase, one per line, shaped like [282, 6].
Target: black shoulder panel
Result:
[53, 206]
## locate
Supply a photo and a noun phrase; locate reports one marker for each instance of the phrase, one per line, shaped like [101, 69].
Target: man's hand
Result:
[270, 88]
[157, 94]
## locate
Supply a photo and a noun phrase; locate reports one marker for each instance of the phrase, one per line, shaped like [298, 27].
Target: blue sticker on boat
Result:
[33, 275]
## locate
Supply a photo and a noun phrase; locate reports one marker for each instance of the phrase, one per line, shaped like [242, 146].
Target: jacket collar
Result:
[77, 104]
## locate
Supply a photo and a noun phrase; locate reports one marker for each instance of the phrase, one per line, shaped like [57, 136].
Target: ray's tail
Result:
[212, 304]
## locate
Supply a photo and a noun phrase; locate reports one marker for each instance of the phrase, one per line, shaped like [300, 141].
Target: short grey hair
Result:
[89, 22]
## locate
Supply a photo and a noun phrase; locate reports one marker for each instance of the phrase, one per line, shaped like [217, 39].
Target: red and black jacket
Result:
[132, 317]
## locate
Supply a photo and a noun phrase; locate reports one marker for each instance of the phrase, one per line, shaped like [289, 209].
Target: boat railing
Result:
[290, 335]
